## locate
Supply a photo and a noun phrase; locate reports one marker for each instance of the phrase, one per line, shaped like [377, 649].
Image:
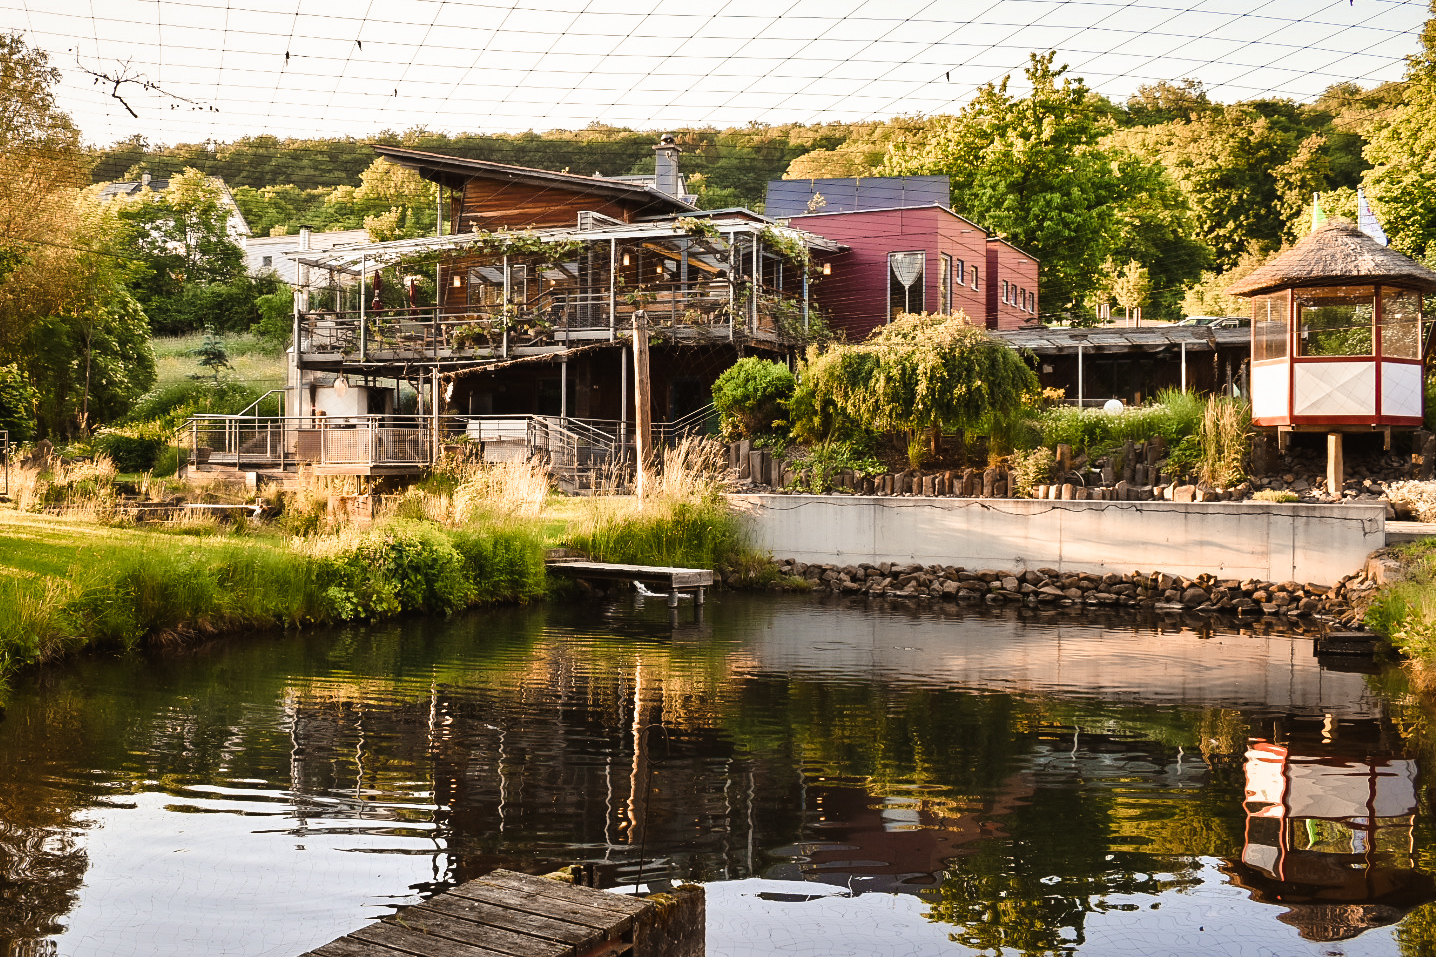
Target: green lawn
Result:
[254, 363]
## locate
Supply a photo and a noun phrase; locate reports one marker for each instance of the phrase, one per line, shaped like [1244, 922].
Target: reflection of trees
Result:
[1030, 892]
[41, 863]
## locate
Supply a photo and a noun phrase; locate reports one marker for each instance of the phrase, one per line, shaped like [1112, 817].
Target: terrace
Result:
[492, 297]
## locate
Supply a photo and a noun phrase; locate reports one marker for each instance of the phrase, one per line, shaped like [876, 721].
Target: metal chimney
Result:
[667, 179]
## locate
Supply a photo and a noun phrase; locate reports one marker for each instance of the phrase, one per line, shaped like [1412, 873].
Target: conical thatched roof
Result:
[1335, 253]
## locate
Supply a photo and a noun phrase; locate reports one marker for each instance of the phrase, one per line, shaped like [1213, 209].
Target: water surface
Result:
[939, 780]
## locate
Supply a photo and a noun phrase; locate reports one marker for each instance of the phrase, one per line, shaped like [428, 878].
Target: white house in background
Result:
[236, 226]
[263, 254]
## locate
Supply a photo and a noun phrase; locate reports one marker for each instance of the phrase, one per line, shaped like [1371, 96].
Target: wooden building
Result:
[1337, 340]
[907, 251]
[525, 306]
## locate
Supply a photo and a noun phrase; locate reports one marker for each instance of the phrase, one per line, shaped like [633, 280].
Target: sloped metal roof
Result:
[1116, 339]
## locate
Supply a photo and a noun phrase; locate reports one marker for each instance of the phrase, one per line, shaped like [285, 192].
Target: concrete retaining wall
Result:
[1304, 543]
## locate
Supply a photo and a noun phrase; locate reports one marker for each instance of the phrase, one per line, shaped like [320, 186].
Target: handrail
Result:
[266, 395]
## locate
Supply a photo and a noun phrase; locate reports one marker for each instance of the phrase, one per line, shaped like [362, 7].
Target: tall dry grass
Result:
[684, 518]
[1223, 439]
[77, 489]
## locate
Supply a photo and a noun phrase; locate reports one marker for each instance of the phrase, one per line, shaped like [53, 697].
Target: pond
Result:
[880, 779]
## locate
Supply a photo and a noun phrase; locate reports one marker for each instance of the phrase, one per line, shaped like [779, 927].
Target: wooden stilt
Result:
[1335, 468]
[642, 402]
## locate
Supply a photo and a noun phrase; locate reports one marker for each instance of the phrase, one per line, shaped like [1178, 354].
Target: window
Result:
[1003, 294]
[905, 283]
[959, 276]
[1400, 323]
[1269, 327]
[1334, 321]
[944, 286]
[267, 261]
[975, 283]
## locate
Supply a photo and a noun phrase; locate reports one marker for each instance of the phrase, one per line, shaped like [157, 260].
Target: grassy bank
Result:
[1404, 611]
[76, 577]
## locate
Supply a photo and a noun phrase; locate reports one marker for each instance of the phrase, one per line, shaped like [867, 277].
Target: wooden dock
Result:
[671, 581]
[507, 914]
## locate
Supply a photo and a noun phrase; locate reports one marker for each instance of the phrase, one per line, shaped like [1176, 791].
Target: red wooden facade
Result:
[961, 270]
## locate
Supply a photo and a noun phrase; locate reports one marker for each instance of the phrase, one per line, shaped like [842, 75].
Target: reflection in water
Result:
[1034, 784]
[1331, 830]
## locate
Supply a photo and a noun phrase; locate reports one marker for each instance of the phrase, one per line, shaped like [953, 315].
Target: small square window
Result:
[267, 261]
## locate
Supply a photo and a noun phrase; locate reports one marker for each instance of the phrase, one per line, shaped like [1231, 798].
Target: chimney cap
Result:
[668, 139]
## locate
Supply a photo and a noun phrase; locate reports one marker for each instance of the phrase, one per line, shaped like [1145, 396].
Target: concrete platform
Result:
[1397, 532]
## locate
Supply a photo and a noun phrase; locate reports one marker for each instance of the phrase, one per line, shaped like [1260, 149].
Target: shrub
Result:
[393, 568]
[1031, 469]
[17, 404]
[133, 448]
[1272, 495]
[750, 396]
[171, 406]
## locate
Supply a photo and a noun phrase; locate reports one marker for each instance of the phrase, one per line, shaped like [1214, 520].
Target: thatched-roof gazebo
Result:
[1337, 337]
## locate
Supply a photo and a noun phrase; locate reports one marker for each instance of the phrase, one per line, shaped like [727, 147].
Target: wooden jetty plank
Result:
[672, 577]
[348, 947]
[598, 918]
[589, 896]
[418, 943]
[464, 931]
[574, 935]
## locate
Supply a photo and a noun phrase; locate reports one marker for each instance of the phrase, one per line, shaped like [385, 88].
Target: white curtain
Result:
[907, 267]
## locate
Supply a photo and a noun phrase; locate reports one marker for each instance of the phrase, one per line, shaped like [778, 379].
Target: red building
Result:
[907, 252]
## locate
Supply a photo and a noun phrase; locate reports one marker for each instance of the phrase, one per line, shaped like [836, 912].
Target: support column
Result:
[363, 295]
[642, 401]
[563, 389]
[1079, 377]
[1335, 468]
[622, 397]
[1184, 367]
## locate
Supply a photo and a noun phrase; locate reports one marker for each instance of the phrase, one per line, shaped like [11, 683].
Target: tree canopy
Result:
[918, 374]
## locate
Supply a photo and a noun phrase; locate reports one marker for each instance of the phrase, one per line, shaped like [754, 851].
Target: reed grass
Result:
[684, 520]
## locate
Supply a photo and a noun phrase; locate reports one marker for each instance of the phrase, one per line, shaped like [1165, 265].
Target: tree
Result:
[212, 355]
[67, 320]
[921, 375]
[181, 236]
[1035, 170]
[1128, 286]
[749, 396]
[1245, 174]
[1403, 156]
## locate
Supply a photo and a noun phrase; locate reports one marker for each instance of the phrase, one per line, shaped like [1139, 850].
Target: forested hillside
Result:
[1162, 193]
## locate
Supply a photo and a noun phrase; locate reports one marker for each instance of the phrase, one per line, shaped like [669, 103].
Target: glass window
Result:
[944, 286]
[959, 273]
[1334, 321]
[905, 289]
[1400, 323]
[1269, 326]
[975, 282]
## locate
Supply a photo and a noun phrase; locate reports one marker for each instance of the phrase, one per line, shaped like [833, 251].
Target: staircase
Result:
[583, 459]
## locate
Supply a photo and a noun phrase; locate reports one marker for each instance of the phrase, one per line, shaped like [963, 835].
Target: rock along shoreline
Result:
[1247, 600]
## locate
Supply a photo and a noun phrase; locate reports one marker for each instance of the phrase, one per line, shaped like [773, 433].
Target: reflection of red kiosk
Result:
[1330, 836]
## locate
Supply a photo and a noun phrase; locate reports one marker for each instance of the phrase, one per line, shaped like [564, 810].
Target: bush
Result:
[134, 448]
[396, 567]
[171, 406]
[17, 404]
[750, 396]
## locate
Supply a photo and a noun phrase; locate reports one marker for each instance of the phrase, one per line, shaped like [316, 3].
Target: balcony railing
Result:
[683, 311]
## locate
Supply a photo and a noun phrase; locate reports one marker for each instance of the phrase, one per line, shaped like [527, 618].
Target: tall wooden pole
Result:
[642, 402]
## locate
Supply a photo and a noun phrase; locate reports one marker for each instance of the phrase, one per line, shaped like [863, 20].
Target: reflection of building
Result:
[1330, 836]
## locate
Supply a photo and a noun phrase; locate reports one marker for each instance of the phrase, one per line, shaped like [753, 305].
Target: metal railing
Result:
[267, 442]
[683, 311]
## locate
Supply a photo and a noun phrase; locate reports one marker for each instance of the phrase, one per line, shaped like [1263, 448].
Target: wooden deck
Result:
[507, 914]
[672, 581]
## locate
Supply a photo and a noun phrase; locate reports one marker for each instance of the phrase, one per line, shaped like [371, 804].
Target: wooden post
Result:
[642, 402]
[1335, 469]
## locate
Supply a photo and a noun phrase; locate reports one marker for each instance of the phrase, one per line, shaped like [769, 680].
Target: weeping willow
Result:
[922, 375]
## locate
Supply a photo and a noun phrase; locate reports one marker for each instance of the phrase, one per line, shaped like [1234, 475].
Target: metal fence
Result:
[5, 461]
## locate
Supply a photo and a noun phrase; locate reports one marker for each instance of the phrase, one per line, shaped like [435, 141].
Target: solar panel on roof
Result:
[795, 197]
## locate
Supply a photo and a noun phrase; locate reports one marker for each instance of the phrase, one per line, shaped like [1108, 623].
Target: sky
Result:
[217, 70]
